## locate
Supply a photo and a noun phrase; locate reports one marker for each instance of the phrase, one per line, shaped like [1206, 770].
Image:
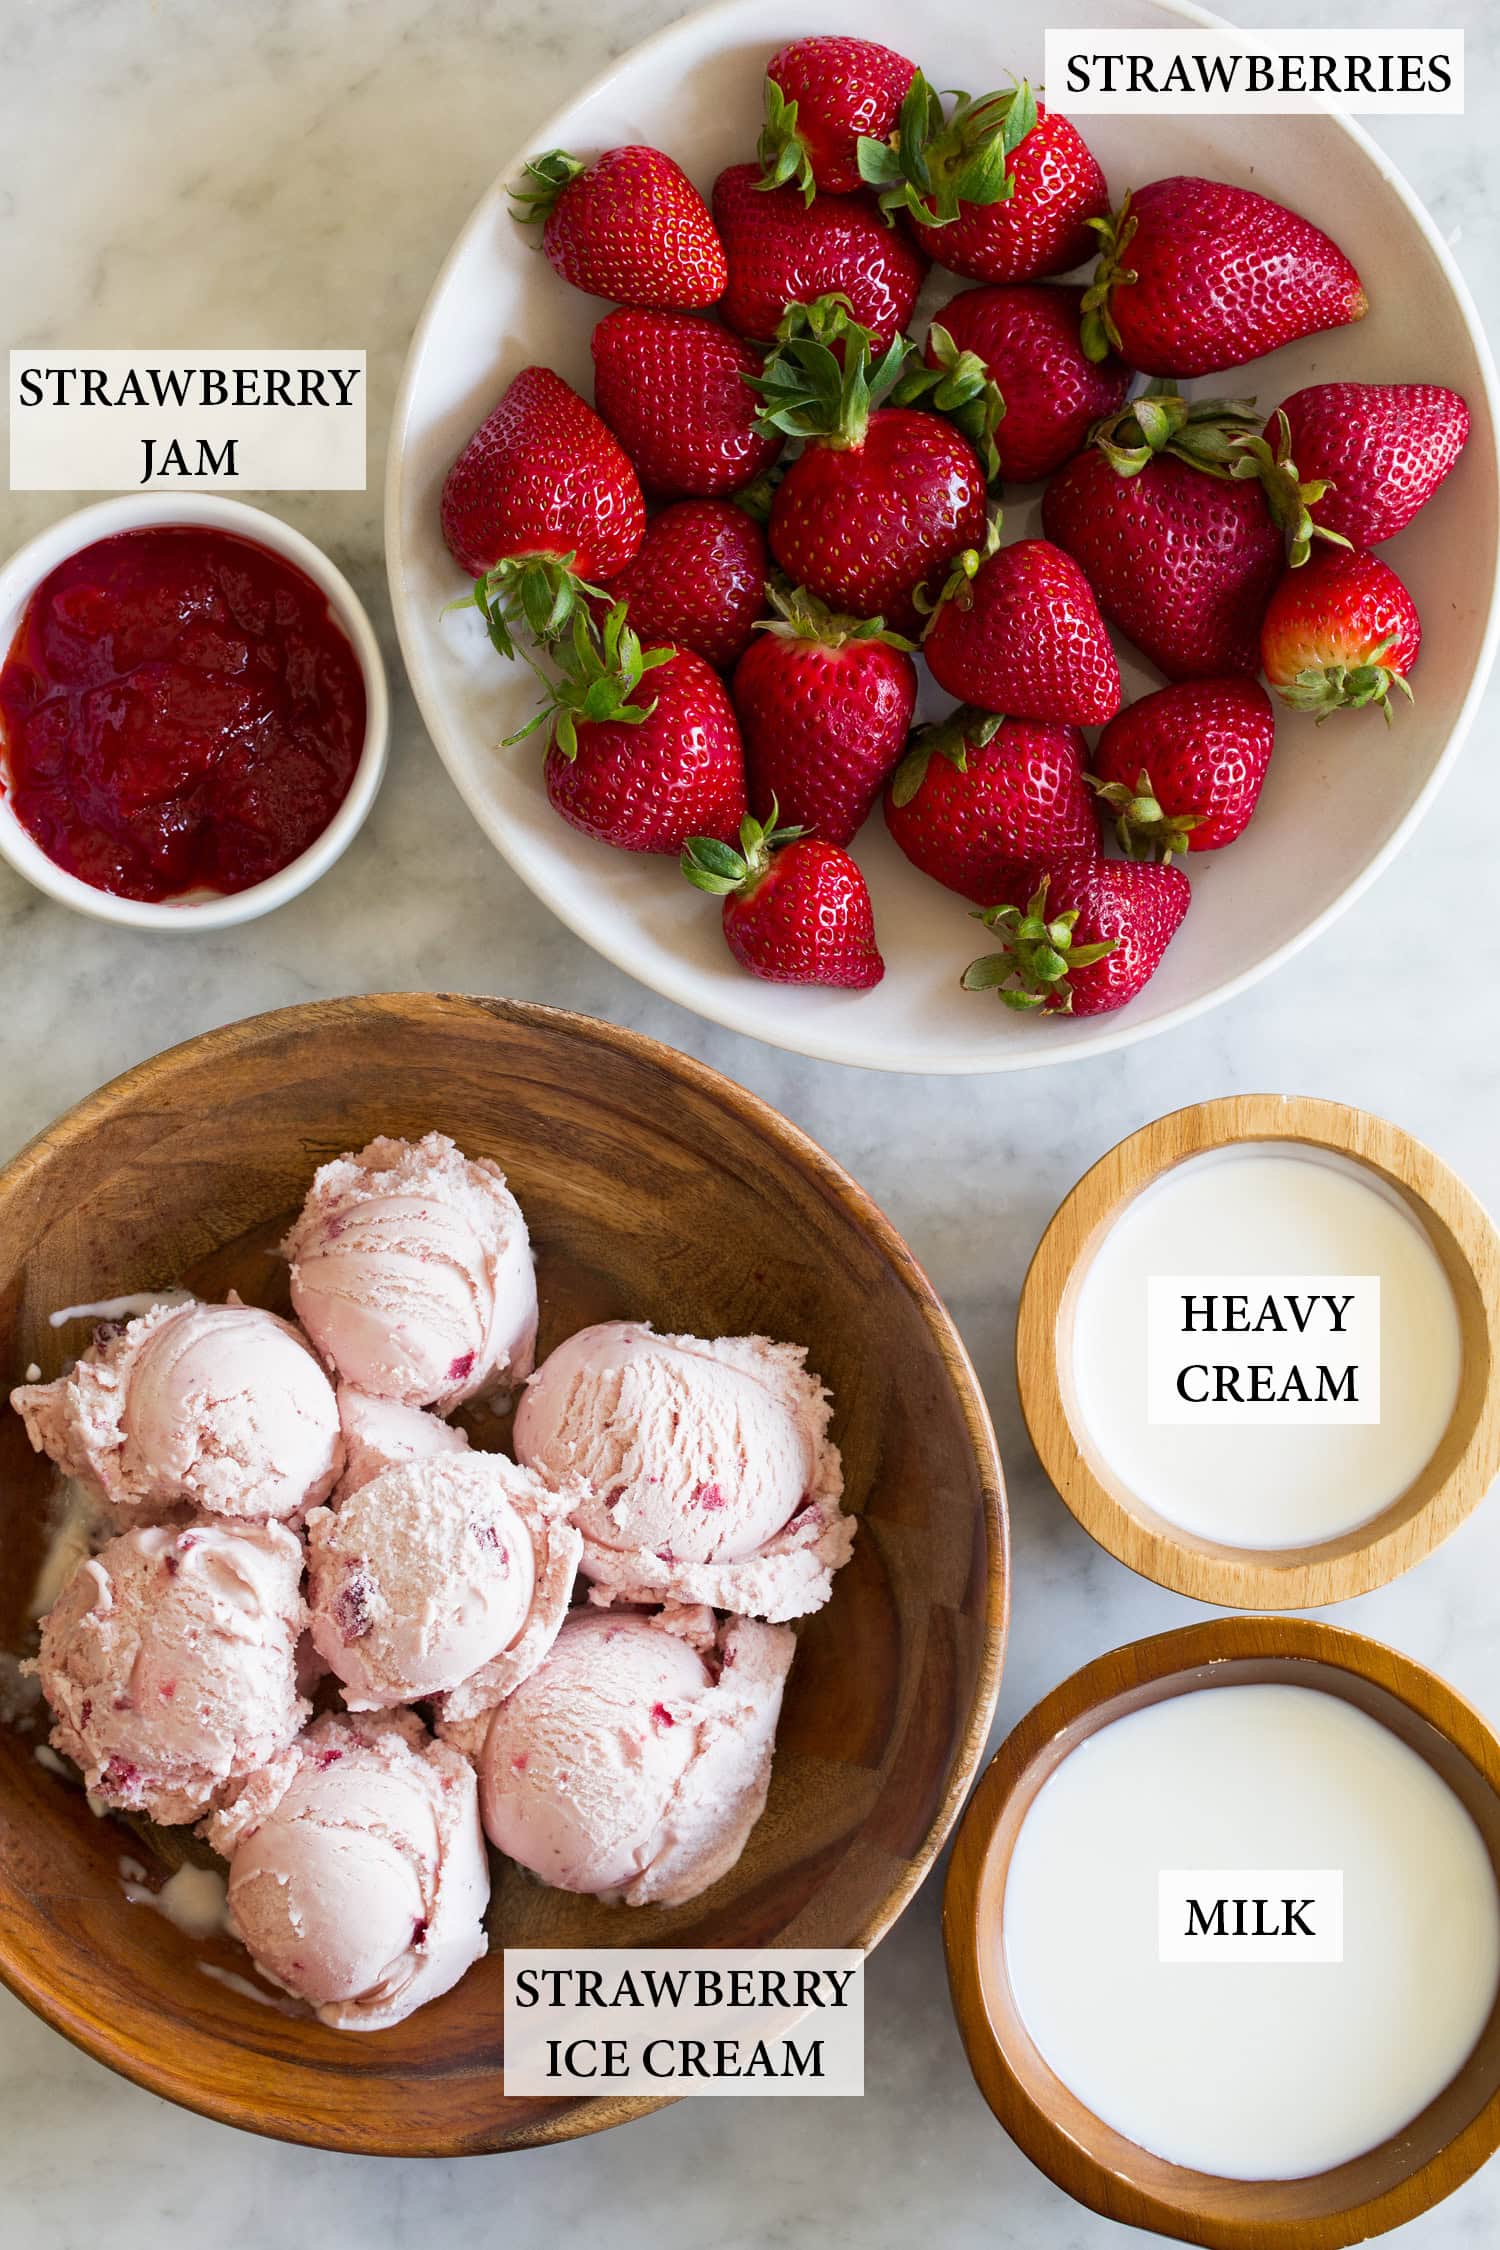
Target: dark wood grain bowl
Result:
[653, 1187]
[1391, 2183]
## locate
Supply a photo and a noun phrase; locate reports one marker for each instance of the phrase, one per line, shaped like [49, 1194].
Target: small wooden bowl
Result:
[653, 1187]
[1398, 2180]
[1454, 1480]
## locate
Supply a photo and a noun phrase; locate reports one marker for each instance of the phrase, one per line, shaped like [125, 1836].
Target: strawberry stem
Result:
[601, 671]
[800, 616]
[818, 381]
[1288, 497]
[783, 153]
[1146, 830]
[1206, 433]
[541, 184]
[960, 388]
[1099, 334]
[935, 162]
[541, 592]
[966, 728]
[719, 869]
[1036, 954]
[1323, 689]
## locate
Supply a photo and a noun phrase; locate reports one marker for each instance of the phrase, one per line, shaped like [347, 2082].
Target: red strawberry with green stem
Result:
[1026, 338]
[639, 762]
[782, 251]
[823, 96]
[796, 910]
[977, 796]
[882, 495]
[541, 498]
[673, 390]
[1017, 630]
[1182, 769]
[697, 580]
[999, 189]
[1340, 634]
[1380, 450]
[824, 704]
[1182, 555]
[630, 226]
[1080, 937]
[1197, 276]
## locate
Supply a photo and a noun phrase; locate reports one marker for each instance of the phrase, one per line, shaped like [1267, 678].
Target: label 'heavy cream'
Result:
[1266, 1349]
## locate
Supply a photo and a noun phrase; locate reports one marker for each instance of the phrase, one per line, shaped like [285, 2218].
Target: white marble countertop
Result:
[179, 173]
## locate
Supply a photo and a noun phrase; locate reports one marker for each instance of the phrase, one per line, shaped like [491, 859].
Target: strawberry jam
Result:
[179, 711]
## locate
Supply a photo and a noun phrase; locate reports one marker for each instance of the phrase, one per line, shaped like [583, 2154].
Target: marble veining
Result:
[177, 173]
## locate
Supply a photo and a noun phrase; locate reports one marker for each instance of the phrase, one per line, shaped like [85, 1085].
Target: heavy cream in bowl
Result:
[1251, 1929]
[1265, 1347]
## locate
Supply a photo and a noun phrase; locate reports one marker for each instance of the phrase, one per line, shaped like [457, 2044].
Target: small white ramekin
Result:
[19, 579]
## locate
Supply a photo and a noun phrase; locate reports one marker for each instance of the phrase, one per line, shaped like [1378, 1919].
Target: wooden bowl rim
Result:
[1087, 1694]
[1239, 1577]
[156, 2070]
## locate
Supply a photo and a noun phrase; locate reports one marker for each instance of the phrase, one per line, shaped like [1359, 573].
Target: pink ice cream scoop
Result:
[357, 1870]
[222, 1407]
[380, 1435]
[436, 1570]
[169, 1660]
[412, 1273]
[710, 1474]
[632, 1765]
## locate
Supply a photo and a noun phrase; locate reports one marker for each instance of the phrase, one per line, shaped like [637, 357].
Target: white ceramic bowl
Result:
[19, 579]
[1339, 801]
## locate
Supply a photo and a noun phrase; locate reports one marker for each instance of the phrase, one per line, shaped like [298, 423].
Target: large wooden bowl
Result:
[653, 1187]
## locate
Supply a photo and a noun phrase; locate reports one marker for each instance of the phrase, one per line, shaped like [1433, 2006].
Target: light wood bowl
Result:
[1454, 1480]
[1390, 2184]
[653, 1187]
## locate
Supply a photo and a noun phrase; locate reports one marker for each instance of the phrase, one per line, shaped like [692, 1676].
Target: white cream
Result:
[1267, 1209]
[1251, 2070]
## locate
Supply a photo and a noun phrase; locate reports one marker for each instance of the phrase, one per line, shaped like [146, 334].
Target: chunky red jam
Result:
[180, 711]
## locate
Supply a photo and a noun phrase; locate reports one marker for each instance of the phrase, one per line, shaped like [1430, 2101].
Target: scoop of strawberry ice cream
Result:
[169, 1660]
[630, 1764]
[380, 1435]
[436, 1571]
[357, 1870]
[412, 1273]
[222, 1407]
[710, 1474]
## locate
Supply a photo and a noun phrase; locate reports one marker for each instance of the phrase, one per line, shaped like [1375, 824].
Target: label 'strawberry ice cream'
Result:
[631, 1765]
[710, 1474]
[412, 1273]
[357, 1872]
[222, 1407]
[435, 1571]
[169, 1660]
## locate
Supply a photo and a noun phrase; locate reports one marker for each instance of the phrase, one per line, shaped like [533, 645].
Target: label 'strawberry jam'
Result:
[180, 711]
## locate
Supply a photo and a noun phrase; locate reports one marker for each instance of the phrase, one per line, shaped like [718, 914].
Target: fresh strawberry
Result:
[881, 496]
[823, 96]
[539, 498]
[796, 909]
[1001, 189]
[630, 226]
[1340, 634]
[1027, 340]
[673, 390]
[1080, 936]
[641, 774]
[1018, 631]
[783, 251]
[976, 797]
[697, 580]
[1181, 554]
[1382, 448]
[824, 704]
[1197, 276]
[1182, 769]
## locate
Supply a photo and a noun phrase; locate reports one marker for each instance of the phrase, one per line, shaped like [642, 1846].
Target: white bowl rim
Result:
[23, 572]
[725, 1008]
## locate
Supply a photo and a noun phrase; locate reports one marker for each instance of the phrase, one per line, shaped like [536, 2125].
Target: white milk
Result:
[1247, 2069]
[1264, 1210]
